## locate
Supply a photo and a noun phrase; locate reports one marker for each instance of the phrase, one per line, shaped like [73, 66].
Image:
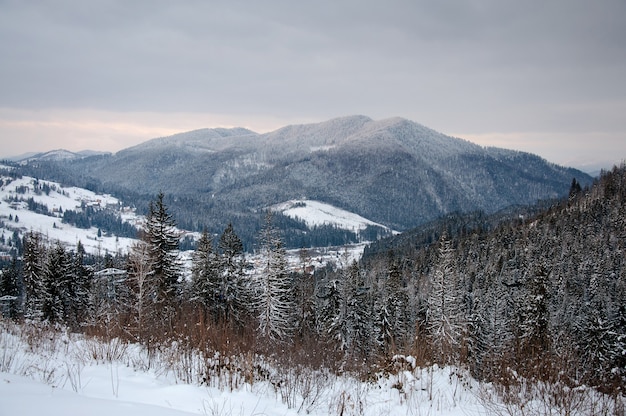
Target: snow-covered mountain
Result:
[56, 155]
[394, 172]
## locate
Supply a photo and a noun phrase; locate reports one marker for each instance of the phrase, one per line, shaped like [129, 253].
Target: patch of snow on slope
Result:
[58, 200]
[315, 213]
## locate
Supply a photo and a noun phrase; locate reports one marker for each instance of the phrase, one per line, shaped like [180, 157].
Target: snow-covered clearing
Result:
[45, 372]
[64, 374]
[315, 213]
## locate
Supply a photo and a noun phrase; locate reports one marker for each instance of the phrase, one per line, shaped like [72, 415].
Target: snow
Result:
[60, 199]
[315, 213]
[23, 396]
[61, 377]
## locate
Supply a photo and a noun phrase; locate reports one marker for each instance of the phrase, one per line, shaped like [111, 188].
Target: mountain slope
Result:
[542, 286]
[395, 171]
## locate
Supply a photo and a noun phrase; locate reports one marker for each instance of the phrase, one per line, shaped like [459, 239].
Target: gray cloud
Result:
[459, 66]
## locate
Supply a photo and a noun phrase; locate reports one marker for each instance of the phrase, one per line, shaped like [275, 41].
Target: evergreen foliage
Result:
[274, 289]
[162, 237]
[232, 299]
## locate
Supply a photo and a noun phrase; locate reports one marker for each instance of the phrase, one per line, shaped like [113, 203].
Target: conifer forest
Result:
[539, 296]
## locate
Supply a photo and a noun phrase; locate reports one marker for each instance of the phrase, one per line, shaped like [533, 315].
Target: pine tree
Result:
[231, 302]
[162, 238]
[206, 276]
[446, 323]
[34, 276]
[274, 297]
[393, 311]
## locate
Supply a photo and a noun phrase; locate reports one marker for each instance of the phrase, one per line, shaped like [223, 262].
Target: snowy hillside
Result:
[15, 215]
[315, 213]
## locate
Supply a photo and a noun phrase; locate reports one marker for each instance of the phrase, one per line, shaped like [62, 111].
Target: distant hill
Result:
[55, 155]
[393, 172]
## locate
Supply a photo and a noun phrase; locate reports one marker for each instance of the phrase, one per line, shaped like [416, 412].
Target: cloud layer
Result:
[463, 67]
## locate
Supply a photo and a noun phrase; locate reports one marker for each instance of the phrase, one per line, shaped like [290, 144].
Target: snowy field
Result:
[70, 375]
[53, 373]
[315, 213]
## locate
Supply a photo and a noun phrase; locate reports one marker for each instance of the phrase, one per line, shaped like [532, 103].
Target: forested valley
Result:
[540, 297]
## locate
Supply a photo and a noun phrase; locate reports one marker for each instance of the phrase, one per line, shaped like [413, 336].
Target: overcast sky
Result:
[544, 76]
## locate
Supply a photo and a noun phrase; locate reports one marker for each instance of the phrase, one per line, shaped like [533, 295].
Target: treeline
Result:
[109, 221]
[541, 297]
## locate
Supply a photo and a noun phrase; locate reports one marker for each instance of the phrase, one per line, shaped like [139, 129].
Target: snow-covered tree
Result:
[274, 288]
[331, 315]
[162, 239]
[59, 291]
[34, 276]
[358, 312]
[142, 289]
[535, 314]
[206, 275]
[231, 300]
[392, 311]
[81, 282]
[445, 317]
[304, 299]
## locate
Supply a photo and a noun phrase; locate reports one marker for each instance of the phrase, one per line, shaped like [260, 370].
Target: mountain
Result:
[55, 155]
[393, 172]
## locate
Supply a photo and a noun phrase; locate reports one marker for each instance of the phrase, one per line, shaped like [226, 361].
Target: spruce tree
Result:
[206, 276]
[162, 239]
[231, 301]
[274, 295]
[34, 276]
[535, 314]
[358, 315]
[330, 310]
[393, 321]
[446, 323]
[82, 279]
[59, 291]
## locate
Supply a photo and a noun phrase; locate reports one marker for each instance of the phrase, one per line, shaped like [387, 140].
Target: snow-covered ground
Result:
[44, 372]
[71, 375]
[58, 200]
[315, 213]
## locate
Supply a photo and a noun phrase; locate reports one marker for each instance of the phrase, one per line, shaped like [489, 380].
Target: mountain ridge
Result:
[393, 171]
